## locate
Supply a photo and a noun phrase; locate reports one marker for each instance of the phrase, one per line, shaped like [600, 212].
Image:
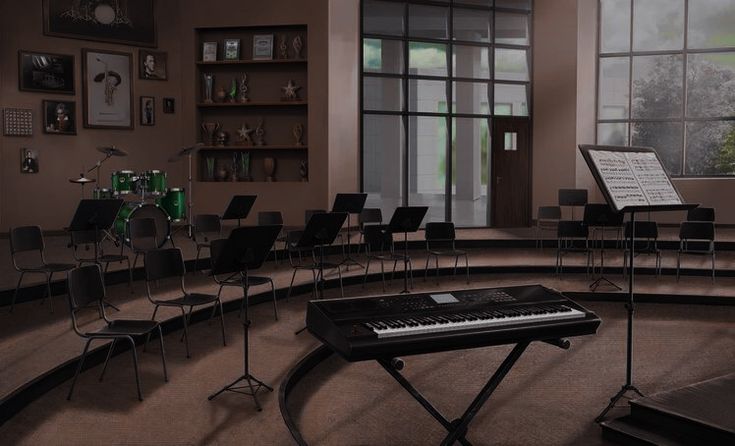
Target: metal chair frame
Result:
[385, 251]
[141, 228]
[208, 227]
[86, 238]
[547, 219]
[644, 231]
[565, 242]
[696, 232]
[441, 242]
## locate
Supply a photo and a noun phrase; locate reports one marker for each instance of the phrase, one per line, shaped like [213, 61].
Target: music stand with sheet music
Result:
[407, 219]
[352, 203]
[95, 215]
[246, 248]
[632, 179]
[320, 231]
[239, 208]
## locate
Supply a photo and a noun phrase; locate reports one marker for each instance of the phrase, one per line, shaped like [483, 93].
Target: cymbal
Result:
[185, 151]
[82, 180]
[112, 151]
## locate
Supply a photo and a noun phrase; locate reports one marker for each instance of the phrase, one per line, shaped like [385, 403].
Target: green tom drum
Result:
[131, 210]
[174, 203]
[122, 182]
[155, 182]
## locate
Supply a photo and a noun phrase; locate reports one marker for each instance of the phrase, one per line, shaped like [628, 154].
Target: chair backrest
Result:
[215, 248]
[207, 225]
[549, 213]
[26, 238]
[270, 218]
[85, 286]
[600, 214]
[378, 238]
[572, 197]
[697, 230]
[572, 229]
[439, 231]
[86, 237]
[143, 235]
[701, 214]
[309, 212]
[643, 230]
[164, 263]
[370, 215]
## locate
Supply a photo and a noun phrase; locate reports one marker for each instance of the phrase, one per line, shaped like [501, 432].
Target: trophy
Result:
[208, 131]
[243, 96]
[298, 133]
[208, 85]
[297, 46]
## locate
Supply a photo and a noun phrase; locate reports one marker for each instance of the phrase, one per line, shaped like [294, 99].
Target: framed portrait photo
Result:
[232, 49]
[45, 72]
[59, 117]
[28, 160]
[130, 22]
[169, 105]
[152, 65]
[108, 89]
[147, 110]
[209, 51]
[263, 46]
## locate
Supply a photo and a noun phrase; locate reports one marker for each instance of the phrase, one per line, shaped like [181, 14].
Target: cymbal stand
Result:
[96, 167]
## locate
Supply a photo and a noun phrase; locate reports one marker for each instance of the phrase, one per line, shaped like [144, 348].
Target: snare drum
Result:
[122, 182]
[155, 182]
[102, 194]
[174, 203]
[131, 210]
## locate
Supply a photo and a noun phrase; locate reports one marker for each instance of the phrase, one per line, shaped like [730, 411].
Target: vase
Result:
[208, 84]
[269, 167]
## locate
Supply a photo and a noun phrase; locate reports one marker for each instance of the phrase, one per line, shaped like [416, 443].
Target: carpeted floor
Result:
[549, 398]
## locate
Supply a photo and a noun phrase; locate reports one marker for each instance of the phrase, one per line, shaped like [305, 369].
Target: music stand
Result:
[599, 216]
[95, 215]
[407, 219]
[246, 248]
[239, 207]
[352, 203]
[632, 179]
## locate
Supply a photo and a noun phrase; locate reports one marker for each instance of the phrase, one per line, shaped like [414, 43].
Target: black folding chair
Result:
[572, 198]
[143, 237]
[696, 238]
[646, 242]
[169, 263]
[82, 239]
[368, 216]
[85, 289]
[701, 214]
[440, 242]
[569, 234]
[266, 218]
[379, 247]
[28, 239]
[207, 227]
[547, 219]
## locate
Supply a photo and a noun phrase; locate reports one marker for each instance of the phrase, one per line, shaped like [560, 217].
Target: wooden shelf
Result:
[243, 147]
[253, 104]
[250, 182]
[251, 62]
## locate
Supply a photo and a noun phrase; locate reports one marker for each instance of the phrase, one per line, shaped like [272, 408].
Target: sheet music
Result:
[634, 178]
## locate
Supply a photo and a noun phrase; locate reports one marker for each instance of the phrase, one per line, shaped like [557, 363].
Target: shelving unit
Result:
[264, 81]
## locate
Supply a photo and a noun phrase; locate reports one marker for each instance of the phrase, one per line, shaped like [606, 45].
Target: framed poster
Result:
[169, 105]
[107, 78]
[152, 65]
[130, 22]
[232, 49]
[59, 117]
[263, 46]
[45, 72]
[147, 110]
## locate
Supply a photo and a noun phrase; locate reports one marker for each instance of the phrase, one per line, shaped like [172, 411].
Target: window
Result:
[434, 73]
[666, 79]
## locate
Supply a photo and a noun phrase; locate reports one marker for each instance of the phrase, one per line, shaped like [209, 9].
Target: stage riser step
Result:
[628, 431]
[687, 427]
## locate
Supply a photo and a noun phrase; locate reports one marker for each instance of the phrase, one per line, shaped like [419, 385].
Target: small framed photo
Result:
[28, 160]
[147, 110]
[263, 46]
[152, 65]
[45, 72]
[232, 49]
[209, 51]
[169, 105]
[59, 117]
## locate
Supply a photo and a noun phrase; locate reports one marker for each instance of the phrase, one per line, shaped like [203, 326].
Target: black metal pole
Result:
[629, 371]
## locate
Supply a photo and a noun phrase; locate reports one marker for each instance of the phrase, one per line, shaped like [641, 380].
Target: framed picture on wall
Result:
[263, 46]
[169, 105]
[147, 110]
[232, 49]
[209, 51]
[152, 65]
[130, 22]
[45, 72]
[59, 117]
[28, 160]
[108, 90]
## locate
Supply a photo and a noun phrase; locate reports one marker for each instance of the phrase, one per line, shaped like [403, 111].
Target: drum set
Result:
[146, 195]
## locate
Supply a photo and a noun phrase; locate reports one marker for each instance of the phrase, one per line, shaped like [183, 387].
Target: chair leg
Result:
[15, 294]
[275, 305]
[382, 273]
[163, 353]
[188, 320]
[456, 262]
[196, 260]
[48, 292]
[130, 276]
[186, 331]
[364, 277]
[135, 365]
[135, 260]
[79, 369]
[436, 271]
[222, 321]
[341, 288]
[109, 353]
[467, 267]
[426, 267]
[148, 337]
[713, 267]
[293, 276]
[678, 264]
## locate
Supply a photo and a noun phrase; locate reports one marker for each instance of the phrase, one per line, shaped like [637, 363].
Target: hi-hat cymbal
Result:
[82, 180]
[112, 151]
[185, 151]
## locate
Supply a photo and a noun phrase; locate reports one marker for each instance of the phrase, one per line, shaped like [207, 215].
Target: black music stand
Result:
[239, 207]
[407, 219]
[654, 192]
[95, 215]
[352, 204]
[246, 248]
[599, 216]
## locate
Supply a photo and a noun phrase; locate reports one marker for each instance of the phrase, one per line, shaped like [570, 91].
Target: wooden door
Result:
[511, 173]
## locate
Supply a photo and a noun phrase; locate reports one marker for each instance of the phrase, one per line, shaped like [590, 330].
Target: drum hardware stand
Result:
[188, 151]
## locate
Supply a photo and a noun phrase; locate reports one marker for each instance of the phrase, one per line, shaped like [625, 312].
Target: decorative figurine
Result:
[209, 129]
[244, 134]
[243, 97]
[233, 91]
[259, 134]
[298, 133]
[269, 166]
[297, 46]
[304, 170]
[221, 137]
[208, 79]
[290, 91]
[283, 47]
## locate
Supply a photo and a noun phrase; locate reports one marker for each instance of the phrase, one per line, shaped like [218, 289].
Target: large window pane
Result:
[665, 137]
[511, 100]
[382, 56]
[383, 166]
[711, 24]
[472, 25]
[474, 2]
[427, 58]
[711, 85]
[427, 96]
[471, 62]
[658, 25]
[657, 86]
[613, 86]
[382, 93]
[382, 18]
[614, 26]
[710, 148]
[612, 133]
[428, 21]
[511, 28]
[517, 4]
[470, 98]
[511, 65]
[428, 164]
[470, 149]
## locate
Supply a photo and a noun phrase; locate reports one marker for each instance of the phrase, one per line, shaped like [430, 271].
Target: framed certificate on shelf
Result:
[209, 51]
[263, 46]
[232, 49]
